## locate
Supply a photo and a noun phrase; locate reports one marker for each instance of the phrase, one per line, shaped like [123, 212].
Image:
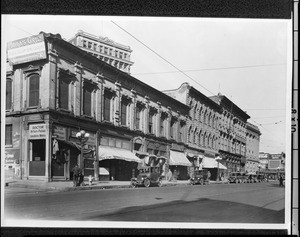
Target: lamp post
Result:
[218, 158]
[82, 136]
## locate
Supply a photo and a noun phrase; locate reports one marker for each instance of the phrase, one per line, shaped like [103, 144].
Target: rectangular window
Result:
[63, 94]
[172, 130]
[107, 107]
[124, 113]
[34, 90]
[89, 45]
[87, 101]
[138, 118]
[8, 94]
[8, 135]
[162, 128]
[151, 130]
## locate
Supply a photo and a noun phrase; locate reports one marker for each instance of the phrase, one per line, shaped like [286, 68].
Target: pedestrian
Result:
[208, 176]
[76, 175]
[281, 181]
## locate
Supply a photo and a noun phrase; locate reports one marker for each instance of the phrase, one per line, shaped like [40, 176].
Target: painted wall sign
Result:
[37, 131]
[26, 50]
[59, 132]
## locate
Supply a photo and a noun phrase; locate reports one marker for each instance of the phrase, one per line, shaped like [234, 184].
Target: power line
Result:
[211, 69]
[162, 58]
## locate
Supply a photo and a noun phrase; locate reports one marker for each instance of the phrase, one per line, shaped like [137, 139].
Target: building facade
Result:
[252, 148]
[202, 128]
[55, 89]
[105, 49]
[232, 128]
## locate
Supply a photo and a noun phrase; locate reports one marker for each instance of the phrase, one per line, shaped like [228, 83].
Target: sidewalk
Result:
[12, 186]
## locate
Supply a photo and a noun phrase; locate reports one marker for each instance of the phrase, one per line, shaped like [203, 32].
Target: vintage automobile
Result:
[200, 177]
[237, 177]
[251, 178]
[150, 172]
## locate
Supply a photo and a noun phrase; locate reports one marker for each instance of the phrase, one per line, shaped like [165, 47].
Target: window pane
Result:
[34, 87]
[8, 135]
[123, 113]
[87, 99]
[63, 94]
[137, 118]
[106, 108]
[8, 93]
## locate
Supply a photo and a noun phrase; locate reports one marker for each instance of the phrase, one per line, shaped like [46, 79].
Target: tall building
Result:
[105, 49]
[252, 148]
[56, 89]
[232, 127]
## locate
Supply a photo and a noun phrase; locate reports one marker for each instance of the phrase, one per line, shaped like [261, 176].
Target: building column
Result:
[99, 97]
[78, 106]
[117, 112]
[146, 115]
[132, 110]
[158, 119]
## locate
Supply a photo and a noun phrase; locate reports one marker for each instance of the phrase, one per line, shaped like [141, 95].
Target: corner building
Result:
[55, 89]
[252, 148]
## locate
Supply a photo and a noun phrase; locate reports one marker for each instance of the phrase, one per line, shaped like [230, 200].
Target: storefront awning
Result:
[107, 153]
[69, 143]
[212, 163]
[179, 158]
[103, 171]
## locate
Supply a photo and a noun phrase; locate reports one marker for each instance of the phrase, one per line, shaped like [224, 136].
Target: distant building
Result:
[252, 148]
[264, 160]
[105, 49]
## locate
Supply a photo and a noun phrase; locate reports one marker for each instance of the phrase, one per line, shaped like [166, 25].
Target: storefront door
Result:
[37, 154]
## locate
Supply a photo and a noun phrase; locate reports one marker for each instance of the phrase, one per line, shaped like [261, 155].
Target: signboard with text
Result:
[26, 49]
[37, 131]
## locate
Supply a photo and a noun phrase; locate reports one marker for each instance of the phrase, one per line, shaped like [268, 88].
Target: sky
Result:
[247, 60]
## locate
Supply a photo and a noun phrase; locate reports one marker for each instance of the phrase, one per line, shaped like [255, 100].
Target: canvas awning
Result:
[108, 153]
[178, 158]
[103, 171]
[212, 163]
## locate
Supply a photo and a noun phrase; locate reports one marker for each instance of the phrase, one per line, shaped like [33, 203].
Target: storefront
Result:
[178, 162]
[116, 157]
[38, 151]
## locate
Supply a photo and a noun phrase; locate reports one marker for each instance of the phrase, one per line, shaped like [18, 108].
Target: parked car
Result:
[251, 178]
[200, 177]
[237, 177]
[150, 173]
[260, 178]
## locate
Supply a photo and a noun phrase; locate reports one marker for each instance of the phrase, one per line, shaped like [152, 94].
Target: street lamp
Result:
[218, 158]
[82, 137]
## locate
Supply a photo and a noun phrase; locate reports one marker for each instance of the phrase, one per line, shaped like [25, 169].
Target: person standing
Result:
[76, 175]
[281, 181]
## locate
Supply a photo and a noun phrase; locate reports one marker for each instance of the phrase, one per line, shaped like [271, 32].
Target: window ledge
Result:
[64, 110]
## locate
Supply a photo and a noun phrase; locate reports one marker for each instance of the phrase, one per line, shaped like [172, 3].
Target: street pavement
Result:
[30, 186]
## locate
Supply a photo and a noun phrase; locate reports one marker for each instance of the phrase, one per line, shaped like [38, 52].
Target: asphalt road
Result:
[217, 203]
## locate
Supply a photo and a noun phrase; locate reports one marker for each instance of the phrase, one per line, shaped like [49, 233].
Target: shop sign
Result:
[37, 131]
[59, 132]
[26, 49]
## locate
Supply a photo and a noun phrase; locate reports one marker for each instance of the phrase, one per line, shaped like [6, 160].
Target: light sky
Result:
[247, 60]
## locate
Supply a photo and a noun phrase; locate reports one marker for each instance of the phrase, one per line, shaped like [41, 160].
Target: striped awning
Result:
[108, 153]
[179, 158]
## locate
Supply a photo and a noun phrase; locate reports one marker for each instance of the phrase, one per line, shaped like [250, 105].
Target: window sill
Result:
[87, 117]
[64, 110]
[107, 122]
[9, 146]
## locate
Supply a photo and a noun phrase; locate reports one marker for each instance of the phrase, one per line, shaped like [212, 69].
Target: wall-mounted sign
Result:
[26, 50]
[59, 132]
[37, 131]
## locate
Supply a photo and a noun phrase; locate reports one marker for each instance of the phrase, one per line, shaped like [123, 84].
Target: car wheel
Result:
[159, 184]
[236, 181]
[192, 182]
[132, 184]
[147, 183]
[201, 182]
